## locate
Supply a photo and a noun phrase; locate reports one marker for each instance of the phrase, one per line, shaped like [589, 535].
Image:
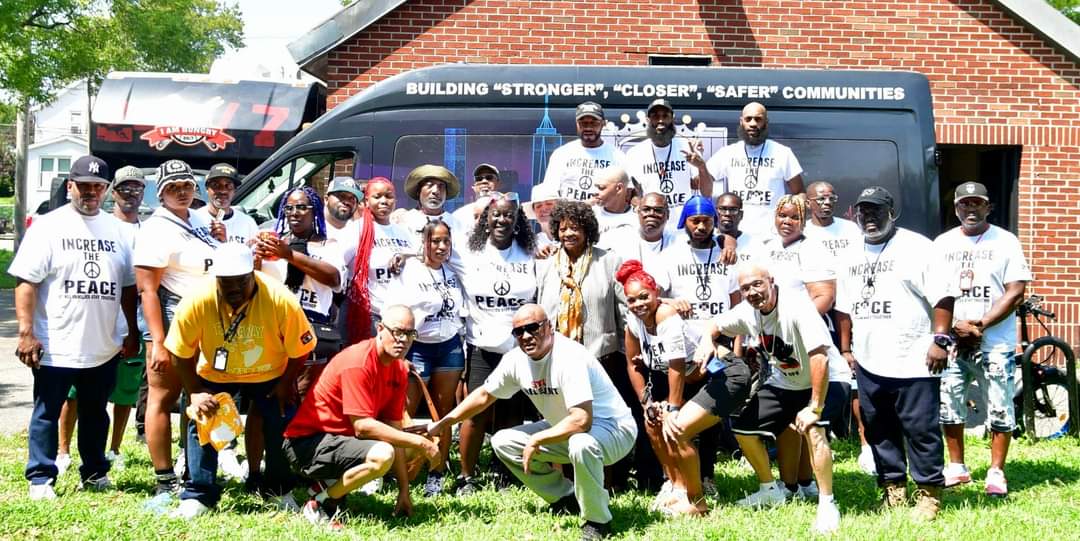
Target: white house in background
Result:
[60, 136]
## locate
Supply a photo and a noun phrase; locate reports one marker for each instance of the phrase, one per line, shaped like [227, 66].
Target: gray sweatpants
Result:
[606, 443]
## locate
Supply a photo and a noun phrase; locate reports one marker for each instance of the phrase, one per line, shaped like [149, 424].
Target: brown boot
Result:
[895, 494]
[927, 503]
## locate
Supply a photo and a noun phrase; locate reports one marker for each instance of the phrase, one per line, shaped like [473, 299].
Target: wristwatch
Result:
[817, 410]
[944, 341]
[672, 408]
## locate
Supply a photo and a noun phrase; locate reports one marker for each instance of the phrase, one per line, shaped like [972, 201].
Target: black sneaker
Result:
[567, 505]
[593, 531]
[464, 486]
[434, 484]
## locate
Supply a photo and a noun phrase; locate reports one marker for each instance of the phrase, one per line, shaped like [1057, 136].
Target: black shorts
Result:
[772, 410]
[725, 393]
[479, 364]
[326, 456]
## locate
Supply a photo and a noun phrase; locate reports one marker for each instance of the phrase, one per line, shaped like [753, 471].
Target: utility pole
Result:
[22, 142]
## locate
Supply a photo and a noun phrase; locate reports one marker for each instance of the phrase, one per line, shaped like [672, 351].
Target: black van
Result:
[852, 128]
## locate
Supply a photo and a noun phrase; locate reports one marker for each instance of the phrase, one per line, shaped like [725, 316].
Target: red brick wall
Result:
[993, 80]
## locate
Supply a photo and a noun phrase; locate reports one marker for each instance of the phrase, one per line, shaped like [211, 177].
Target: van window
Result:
[314, 170]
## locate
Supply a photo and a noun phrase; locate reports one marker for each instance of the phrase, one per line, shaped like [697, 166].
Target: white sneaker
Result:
[660, 501]
[764, 497]
[808, 492]
[96, 484]
[287, 503]
[372, 486]
[230, 466]
[708, 487]
[116, 459]
[63, 462]
[828, 518]
[866, 461]
[956, 474]
[43, 491]
[181, 464]
[189, 509]
[788, 495]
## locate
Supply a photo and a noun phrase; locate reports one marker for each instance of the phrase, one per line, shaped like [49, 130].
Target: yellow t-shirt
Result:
[273, 331]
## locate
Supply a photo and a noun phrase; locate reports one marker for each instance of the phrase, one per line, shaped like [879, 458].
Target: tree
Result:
[49, 43]
[1070, 8]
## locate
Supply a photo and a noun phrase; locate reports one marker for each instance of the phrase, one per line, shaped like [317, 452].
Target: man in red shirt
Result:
[348, 429]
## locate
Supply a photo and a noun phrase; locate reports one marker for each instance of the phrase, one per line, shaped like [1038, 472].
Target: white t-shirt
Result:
[787, 335]
[238, 228]
[572, 168]
[567, 377]
[496, 283]
[314, 296]
[612, 224]
[979, 267]
[674, 339]
[838, 237]
[184, 250]
[758, 174]
[744, 248]
[629, 245]
[414, 220]
[348, 239]
[891, 319]
[792, 267]
[698, 276]
[664, 171]
[435, 298]
[81, 264]
[390, 239]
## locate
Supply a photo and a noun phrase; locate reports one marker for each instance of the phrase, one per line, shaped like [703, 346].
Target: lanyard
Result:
[234, 326]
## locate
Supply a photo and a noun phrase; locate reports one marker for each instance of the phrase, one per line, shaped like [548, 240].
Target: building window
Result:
[679, 60]
[76, 122]
[53, 167]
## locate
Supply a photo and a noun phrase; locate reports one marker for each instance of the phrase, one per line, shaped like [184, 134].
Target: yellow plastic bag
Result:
[222, 427]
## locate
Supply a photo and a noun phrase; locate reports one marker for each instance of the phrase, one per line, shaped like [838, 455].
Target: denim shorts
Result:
[995, 373]
[428, 359]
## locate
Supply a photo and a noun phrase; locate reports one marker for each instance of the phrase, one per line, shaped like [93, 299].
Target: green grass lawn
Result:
[1044, 503]
[7, 281]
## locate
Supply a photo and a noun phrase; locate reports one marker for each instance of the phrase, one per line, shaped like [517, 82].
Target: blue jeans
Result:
[202, 460]
[51, 386]
[428, 359]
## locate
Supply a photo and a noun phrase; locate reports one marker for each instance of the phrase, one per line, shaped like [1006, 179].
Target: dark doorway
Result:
[997, 167]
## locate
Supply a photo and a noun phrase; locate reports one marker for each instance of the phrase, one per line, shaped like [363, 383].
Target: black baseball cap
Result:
[970, 189]
[660, 102]
[875, 195]
[89, 169]
[224, 170]
[589, 108]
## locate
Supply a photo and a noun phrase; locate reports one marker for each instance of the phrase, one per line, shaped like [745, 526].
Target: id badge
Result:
[221, 359]
[967, 280]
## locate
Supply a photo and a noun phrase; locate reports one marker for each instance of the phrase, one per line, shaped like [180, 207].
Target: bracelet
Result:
[843, 351]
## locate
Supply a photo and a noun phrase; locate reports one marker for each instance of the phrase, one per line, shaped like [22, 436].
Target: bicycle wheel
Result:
[1051, 403]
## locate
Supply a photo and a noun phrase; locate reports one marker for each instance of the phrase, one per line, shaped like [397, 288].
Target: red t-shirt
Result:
[356, 384]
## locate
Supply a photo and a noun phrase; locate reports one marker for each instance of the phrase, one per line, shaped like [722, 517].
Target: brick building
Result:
[1005, 77]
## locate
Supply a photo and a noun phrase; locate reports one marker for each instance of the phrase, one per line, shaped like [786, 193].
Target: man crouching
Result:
[348, 429]
[586, 423]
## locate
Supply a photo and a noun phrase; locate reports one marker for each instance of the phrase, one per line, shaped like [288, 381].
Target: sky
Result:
[269, 25]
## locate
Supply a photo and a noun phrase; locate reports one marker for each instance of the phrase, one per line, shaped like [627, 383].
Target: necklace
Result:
[661, 168]
[869, 288]
[751, 179]
[761, 337]
[704, 291]
[442, 288]
[641, 254]
[967, 276]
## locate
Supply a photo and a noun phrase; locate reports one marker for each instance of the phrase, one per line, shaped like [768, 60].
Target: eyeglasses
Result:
[297, 208]
[130, 190]
[826, 199]
[486, 177]
[531, 328]
[401, 335]
[728, 211]
[659, 211]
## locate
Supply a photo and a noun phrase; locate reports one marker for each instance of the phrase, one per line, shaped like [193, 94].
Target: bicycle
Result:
[1052, 404]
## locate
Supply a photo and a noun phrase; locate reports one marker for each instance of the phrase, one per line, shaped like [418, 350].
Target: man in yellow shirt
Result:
[250, 335]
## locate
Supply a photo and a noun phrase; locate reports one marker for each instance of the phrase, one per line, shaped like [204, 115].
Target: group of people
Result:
[640, 317]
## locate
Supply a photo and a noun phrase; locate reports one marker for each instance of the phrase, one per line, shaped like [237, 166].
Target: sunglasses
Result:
[828, 199]
[530, 328]
[488, 177]
[401, 335]
[129, 190]
[297, 208]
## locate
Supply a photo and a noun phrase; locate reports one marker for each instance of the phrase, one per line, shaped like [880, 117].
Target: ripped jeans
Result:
[995, 372]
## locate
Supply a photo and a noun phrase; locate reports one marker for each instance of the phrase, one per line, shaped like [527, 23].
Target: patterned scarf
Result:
[570, 321]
